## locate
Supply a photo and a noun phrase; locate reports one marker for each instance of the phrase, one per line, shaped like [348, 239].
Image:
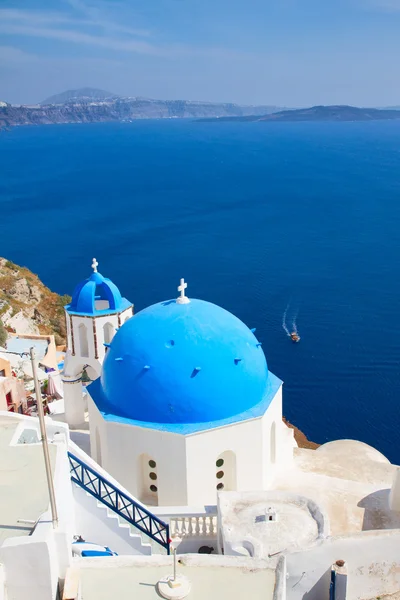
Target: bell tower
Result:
[96, 312]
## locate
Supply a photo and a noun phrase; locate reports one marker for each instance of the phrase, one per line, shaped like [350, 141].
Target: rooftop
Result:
[136, 577]
[23, 488]
[350, 479]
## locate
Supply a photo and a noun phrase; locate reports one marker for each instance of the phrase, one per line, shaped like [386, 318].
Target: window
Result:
[226, 471]
[108, 332]
[147, 480]
[83, 340]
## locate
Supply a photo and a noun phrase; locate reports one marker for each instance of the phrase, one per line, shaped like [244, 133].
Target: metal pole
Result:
[54, 516]
[174, 564]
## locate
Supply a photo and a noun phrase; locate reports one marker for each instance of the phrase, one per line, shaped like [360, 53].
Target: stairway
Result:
[108, 516]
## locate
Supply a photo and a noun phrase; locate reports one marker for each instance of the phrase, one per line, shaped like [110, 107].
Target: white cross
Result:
[182, 298]
[95, 264]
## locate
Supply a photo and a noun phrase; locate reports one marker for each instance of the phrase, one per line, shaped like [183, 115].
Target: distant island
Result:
[318, 113]
[90, 105]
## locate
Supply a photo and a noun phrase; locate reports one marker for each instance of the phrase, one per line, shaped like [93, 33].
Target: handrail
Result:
[332, 586]
[127, 508]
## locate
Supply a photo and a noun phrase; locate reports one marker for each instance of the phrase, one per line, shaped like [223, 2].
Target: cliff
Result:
[27, 305]
[121, 109]
[320, 113]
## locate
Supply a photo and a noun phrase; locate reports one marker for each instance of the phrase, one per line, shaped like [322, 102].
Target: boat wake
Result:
[284, 320]
[294, 332]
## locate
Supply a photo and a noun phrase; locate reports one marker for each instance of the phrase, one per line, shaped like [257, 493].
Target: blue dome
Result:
[97, 295]
[182, 363]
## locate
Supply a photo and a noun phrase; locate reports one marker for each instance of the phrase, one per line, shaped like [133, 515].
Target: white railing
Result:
[190, 522]
[200, 526]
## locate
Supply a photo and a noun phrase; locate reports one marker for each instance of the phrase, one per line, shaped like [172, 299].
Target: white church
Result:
[182, 388]
[189, 454]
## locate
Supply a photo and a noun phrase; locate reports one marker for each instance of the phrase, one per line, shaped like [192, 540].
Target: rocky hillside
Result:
[81, 95]
[121, 109]
[27, 305]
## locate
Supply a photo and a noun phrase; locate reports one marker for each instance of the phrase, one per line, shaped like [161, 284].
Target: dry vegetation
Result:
[21, 291]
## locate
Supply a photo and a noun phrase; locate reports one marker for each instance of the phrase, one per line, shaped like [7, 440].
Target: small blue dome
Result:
[182, 363]
[97, 295]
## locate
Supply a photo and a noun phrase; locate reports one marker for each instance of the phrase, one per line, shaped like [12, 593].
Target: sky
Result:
[278, 52]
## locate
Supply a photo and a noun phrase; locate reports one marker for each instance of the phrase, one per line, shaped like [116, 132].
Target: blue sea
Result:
[261, 218]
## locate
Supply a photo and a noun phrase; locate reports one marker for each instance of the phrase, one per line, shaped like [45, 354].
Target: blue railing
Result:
[332, 587]
[127, 508]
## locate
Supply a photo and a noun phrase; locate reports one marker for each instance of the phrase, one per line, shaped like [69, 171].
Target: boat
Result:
[295, 336]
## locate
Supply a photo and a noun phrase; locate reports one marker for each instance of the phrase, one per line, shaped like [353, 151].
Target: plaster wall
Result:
[372, 561]
[76, 359]
[34, 564]
[278, 441]
[93, 325]
[17, 389]
[113, 320]
[121, 448]
[186, 465]
[6, 367]
[31, 566]
[244, 440]
[2, 583]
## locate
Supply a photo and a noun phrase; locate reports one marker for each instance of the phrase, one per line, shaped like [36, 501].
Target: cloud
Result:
[34, 17]
[79, 37]
[10, 56]
[96, 15]
[64, 28]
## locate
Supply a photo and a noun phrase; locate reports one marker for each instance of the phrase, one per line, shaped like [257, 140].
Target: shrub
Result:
[3, 334]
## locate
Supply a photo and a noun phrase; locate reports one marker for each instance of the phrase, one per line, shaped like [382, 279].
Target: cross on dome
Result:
[95, 264]
[182, 299]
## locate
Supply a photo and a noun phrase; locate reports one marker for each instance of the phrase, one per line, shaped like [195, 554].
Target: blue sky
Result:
[283, 52]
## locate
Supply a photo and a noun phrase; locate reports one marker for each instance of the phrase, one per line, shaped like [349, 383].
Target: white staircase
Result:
[98, 524]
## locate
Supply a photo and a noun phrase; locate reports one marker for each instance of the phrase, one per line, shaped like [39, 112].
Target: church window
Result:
[108, 332]
[83, 340]
[147, 477]
[226, 477]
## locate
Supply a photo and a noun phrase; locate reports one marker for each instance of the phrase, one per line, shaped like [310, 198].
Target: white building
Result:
[96, 311]
[185, 392]
[187, 442]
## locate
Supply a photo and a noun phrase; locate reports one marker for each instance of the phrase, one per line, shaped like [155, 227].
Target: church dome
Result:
[97, 295]
[183, 362]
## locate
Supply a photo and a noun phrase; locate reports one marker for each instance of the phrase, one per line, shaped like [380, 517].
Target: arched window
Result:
[147, 480]
[272, 441]
[98, 447]
[225, 471]
[108, 332]
[83, 340]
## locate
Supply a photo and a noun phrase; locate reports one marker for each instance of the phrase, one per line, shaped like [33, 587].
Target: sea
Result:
[287, 225]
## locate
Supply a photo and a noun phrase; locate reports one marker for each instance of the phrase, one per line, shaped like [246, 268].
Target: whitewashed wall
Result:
[121, 448]
[74, 362]
[34, 564]
[186, 467]
[372, 560]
